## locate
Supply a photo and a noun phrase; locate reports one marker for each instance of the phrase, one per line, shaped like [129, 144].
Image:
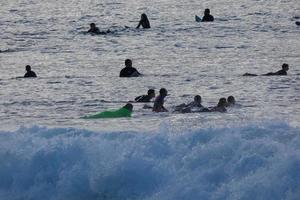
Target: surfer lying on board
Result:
[144, 22]
[146, 98]
[193, 106]
[282, 72]
[95, 30]
[125, 111]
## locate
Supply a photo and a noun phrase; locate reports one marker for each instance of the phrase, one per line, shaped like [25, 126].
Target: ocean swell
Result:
[253, 161]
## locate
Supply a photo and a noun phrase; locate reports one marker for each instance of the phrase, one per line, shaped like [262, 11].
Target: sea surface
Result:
[48, 152]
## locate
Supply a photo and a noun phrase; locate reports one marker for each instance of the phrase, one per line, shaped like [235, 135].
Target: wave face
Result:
[254, 161]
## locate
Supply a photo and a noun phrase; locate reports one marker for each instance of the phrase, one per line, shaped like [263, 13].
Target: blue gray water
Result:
[47, 151]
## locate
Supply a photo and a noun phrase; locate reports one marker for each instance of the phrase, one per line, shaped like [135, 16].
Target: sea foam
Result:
[254, 161]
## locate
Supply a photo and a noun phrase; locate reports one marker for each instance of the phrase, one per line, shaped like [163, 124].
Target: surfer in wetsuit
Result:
[230, 101]
[144, 22]
[187, 108]
[220, 107]
[207, 16]
[146, 98]
[128, 70]
[282, 72]
[125, 111]
[158, 105]
[95, 30]
[29, 73]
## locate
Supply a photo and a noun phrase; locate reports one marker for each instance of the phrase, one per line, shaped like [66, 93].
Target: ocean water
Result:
[48, 152]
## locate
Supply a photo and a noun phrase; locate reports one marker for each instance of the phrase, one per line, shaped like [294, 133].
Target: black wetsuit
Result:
[144, 24]
[30, 74]
[143, 98]
[278, 73]
[207, 18]
[129, 72]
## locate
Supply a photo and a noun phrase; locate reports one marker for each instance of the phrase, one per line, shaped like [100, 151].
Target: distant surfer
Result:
[146, 98]
[95, 30]
[144, 22]
[297, 23]
[158, 105]
[220, 106]
[128, 70]
[207, 16]
[282, 72]
[125, 111]
[230, 101]
[29, 72]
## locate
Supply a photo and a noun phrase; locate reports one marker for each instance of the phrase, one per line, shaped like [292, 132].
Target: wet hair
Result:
[28, 68]
[144, 16]
[163, 91]
[197, 98]
[151, 91]
[92, 24]
[206, 11]
[128, 106]
[222, 102]
[231, 100]
[128, 61]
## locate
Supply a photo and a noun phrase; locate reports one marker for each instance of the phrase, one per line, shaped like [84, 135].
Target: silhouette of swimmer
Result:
[187, 108]
[146, 98]
[282, 72]
[158, 105]
[125, 111]
[207, 16]
[220, 107]
[29, 73]
[128, 70]
[95, 30]
[297, 23]
[230, 101]
[144, 22]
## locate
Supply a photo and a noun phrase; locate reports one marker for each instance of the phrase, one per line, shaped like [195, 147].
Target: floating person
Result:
[220, 107]
[146, 98]
[128, 70]
[282, 72]
[29, 73]
[95, 30]
[144, 22]
[207, 16]
[192, 106]
[158, 105]
[125, 111]
[230, 101]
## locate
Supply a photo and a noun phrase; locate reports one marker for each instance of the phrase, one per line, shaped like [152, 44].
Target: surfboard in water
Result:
[197, 18]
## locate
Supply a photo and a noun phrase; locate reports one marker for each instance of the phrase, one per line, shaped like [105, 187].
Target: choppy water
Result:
[47, 152]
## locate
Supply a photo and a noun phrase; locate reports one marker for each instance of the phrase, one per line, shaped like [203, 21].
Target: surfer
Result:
[125, 111]
[146, 98]
[128, 70]
[29, 73]
[207, 16]
[144, 22]
[186, 108]
[95, 30]
[282, 72]
[158, 105]
[230, 101]
[220, 106]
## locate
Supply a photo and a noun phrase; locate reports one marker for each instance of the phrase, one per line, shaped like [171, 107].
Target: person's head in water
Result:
[128, 106]
[222, 102]
[230, 100]
[28, 68]
[206, 12]
[285, 67]
[128, 63]
[144, 17]
[92, 25]
[197, 99]
[163, 92]
[151, 93]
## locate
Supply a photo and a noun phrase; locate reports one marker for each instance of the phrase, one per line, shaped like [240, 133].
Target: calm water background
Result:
[78, 75]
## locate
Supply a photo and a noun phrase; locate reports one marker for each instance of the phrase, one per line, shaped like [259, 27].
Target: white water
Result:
[48, 152]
